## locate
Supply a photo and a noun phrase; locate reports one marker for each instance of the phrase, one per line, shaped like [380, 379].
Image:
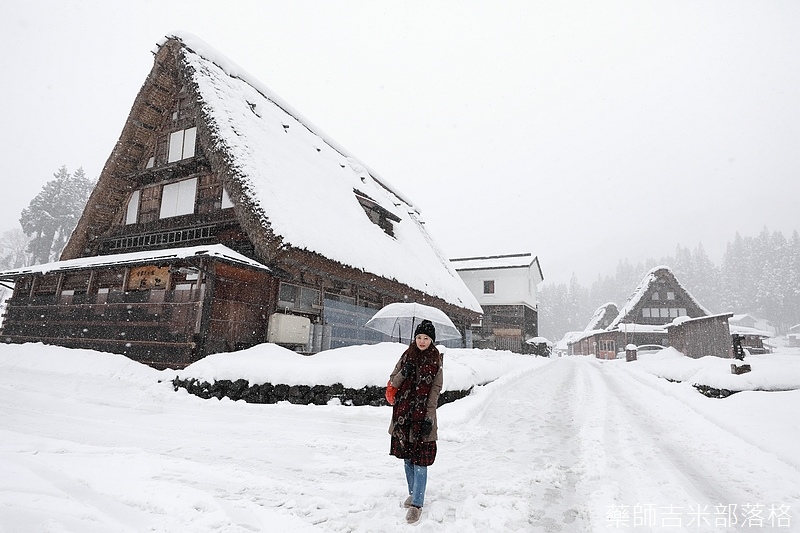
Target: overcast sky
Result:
[582, 132]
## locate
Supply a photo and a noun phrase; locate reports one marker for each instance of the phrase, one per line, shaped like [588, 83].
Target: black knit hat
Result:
[426, 327]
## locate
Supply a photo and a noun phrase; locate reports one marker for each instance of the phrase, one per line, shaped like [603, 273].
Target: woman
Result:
[418, 379]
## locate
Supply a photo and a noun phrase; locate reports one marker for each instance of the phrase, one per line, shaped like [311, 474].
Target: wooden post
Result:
[630, 353]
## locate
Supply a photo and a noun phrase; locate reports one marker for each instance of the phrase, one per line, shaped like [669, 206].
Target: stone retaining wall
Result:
[296, 394]
[712, 392]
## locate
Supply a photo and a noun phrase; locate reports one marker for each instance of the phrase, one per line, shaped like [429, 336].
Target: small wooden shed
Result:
[702, 336]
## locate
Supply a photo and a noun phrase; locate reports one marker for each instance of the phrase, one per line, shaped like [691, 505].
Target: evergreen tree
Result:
[768, 295]
[14, 249]
[735, 275]
[54, 212]
[553, 322]
[605, 289]
[705, 281]
[793, 280]
[578, 313]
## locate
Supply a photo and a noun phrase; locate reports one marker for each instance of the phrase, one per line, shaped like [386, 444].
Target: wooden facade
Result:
[134, 277]
[163, 311]
[608, 344]
[505, 327]
[701, 337]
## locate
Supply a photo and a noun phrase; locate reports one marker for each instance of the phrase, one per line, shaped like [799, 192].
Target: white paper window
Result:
[178, 198]
[133, 208]
[646, 312]
[189, 139]
[670, 296]
[664, 312]
[181, 144]
[226, 200]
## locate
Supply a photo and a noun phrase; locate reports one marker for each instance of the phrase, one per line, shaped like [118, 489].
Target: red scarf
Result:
[411, 401]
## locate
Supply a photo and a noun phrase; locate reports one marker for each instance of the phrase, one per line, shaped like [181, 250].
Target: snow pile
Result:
[354, 367]
[35, 358]
[771, 372]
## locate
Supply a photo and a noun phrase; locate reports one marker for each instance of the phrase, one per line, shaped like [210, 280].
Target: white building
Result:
[505, 287]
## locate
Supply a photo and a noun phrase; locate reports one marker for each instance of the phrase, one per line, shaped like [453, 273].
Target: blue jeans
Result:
[417, 478]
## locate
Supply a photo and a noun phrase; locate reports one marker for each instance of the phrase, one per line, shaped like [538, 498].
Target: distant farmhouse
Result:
[603, 317]
[753, 332]
[505, 286]
[223, 219]
[658, 304]
[794, 335]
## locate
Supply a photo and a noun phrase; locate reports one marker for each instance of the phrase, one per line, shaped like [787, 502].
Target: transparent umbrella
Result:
[400, 319]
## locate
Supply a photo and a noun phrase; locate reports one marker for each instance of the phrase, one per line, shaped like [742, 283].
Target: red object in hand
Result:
[390, 392]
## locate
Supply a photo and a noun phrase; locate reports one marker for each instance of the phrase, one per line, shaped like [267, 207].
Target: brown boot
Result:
[407, 503]
[413, 513]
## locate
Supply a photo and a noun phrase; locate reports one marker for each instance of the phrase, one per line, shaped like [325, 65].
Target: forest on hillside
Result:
[758, 275]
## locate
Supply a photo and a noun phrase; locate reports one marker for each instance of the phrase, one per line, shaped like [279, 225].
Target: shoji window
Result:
[133, 208]
[178, 198]
[181, 144]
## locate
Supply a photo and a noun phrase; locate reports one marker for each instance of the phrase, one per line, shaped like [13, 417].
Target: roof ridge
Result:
[504, 256]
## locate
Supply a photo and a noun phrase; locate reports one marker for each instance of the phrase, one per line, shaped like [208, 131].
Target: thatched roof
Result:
[656, 274]
[292, 186]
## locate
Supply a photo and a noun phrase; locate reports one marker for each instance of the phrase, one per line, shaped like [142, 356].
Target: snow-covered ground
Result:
[92, 442]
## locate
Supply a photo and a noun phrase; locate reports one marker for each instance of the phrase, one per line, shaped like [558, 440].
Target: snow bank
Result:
[771, 372]
[41, 358]
[354, 366]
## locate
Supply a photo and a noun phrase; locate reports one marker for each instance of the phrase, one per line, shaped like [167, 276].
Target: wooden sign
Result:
[148, 277]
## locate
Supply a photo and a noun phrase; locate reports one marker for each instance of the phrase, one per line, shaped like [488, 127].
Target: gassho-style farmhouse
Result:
[224, 219]
[660, 311]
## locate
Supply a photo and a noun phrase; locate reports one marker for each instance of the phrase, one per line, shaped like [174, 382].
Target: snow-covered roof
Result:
[539, 340]
[628, 327]
[625, 327]
[218, 251]
[523, 260]
[651, 277]
[577, 336]
[599, 315]
[567, 339]
[744, 330]
[302, 185]
[684, 319]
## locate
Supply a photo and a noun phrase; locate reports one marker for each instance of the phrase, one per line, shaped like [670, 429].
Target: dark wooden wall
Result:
[701, 337]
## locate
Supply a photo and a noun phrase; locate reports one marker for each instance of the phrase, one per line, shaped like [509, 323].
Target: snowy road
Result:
[566, 445]
[578, 445]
